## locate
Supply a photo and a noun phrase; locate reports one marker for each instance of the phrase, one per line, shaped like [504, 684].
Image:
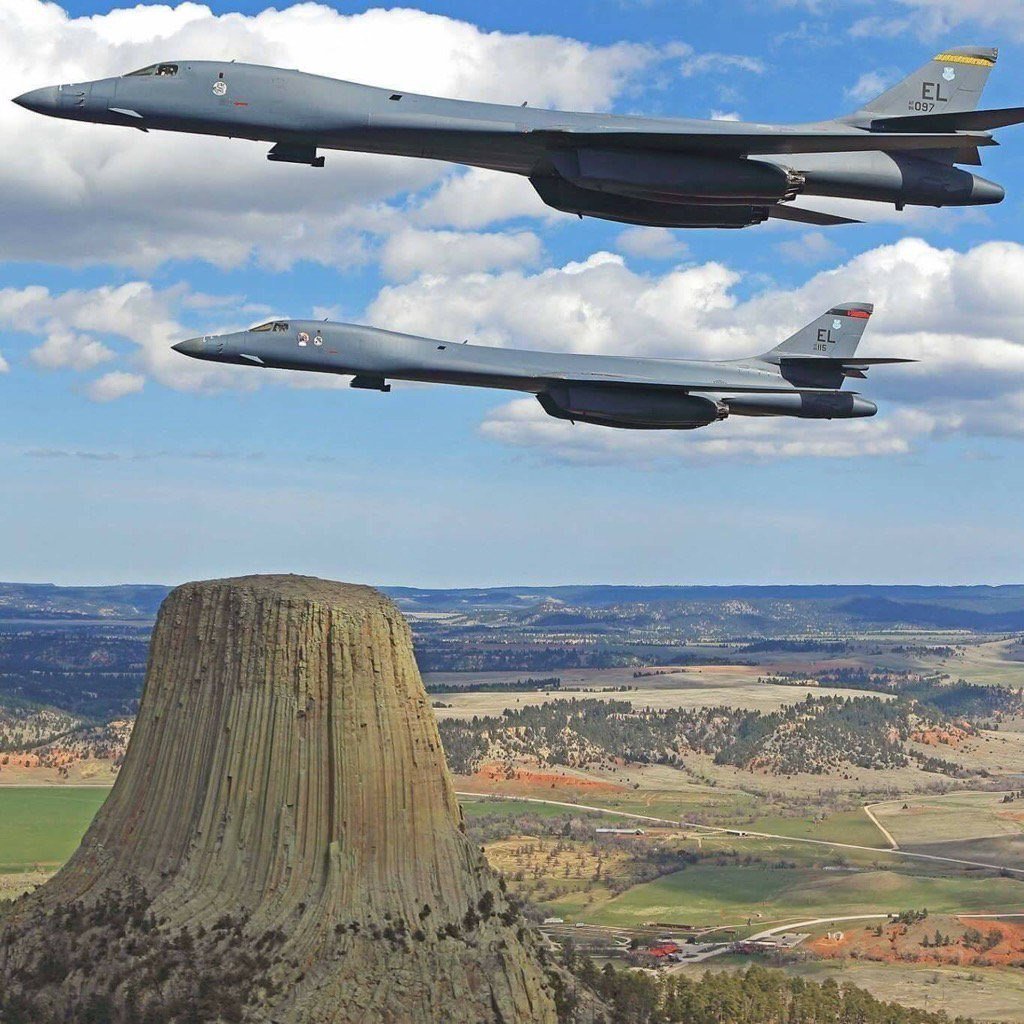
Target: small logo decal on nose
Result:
[220, 88]
[303, 338]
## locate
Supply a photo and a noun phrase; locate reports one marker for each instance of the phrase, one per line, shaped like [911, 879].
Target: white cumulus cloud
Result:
[871, 84]
[809, 247]
[143, 320]
[522, 423]
[693, 63]
[478, 197]
[930, 19]
[115, 385]
[411, 252]
[652, 243]
[63, 348]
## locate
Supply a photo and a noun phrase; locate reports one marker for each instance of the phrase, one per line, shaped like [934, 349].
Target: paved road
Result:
[768, 932]
[800, 925]
[747, 833]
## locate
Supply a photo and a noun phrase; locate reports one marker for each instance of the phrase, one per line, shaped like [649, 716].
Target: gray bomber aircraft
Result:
[801, 377]
[901, 148]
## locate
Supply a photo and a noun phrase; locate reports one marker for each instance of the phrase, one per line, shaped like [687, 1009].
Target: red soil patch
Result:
[1001, 943]
[951, 737]
[517, 778]
[19, 760]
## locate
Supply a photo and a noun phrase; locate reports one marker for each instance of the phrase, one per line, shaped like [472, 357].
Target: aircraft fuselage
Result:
[733, 175]
[621, 391]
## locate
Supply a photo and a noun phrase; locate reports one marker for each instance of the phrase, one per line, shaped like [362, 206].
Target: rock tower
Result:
[283, 843]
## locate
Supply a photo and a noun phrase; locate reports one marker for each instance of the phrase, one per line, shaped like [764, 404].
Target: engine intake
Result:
[632, 408]
[563, 195]
[676, 177]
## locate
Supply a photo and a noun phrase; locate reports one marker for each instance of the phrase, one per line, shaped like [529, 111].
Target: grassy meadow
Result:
[40, 827]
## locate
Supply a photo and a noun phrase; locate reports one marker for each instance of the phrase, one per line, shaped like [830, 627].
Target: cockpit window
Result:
[155, 70]
[277, 326]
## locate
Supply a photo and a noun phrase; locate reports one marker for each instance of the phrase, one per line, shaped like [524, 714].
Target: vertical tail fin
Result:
[950, 83]
[835, 334]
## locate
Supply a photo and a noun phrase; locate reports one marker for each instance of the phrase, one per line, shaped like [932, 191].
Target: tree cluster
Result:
[816, 735]
[758, 995]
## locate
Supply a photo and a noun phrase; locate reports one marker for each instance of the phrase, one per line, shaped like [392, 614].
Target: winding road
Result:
[718, 830]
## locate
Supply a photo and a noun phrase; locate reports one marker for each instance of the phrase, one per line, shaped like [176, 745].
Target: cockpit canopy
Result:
[155, 71]
[277, 326]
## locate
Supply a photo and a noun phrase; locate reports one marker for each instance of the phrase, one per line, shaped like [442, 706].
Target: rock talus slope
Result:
[283, 843]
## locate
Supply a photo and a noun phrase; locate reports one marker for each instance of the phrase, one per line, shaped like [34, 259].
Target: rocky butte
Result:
[283, 843]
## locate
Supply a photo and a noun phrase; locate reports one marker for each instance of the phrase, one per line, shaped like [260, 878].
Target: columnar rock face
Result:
[283, 842]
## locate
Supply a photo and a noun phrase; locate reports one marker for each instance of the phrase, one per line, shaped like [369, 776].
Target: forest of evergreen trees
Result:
[815, 735]
[756, 996]
[959, 699]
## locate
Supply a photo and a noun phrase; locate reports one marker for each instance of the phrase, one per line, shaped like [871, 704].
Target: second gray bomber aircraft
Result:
[801, 377]
[901, 148]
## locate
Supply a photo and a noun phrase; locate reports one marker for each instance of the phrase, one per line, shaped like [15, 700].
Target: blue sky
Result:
[124, 462]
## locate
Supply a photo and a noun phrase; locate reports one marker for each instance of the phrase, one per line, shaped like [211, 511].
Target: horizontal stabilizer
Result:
[719, 140]
[811, 368]
[964, 121]
[824, 371]
[855, 361]
[802, 216]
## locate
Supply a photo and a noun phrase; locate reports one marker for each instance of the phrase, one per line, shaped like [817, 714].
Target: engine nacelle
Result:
[563, 195]
[900, 178]
[838, 405]
[631, 408]
[677, 177]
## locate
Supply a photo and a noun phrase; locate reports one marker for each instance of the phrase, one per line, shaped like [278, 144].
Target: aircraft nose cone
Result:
[190, 347]
[42, 101]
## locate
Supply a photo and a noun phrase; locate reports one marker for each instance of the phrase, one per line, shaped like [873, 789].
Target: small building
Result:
[619, 831]
[786, 940]
[663, 952]
[554, 920]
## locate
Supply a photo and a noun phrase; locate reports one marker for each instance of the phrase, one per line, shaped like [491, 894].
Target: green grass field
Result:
[988, 663]
[43, 827]
[952, 817]
[730, 895]
[733, 809]
[843, 827]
